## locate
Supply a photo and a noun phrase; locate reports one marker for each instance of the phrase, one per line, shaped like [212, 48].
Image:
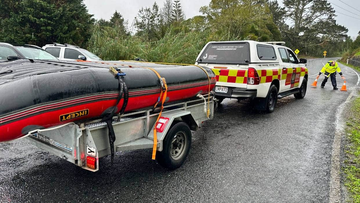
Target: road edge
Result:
[335, 171]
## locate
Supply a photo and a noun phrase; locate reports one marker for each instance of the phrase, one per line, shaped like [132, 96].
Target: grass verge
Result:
[354, 67]
[351, 165]
[352, 152]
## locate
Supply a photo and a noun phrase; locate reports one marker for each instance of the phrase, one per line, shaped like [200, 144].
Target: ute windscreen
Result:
[233, 53]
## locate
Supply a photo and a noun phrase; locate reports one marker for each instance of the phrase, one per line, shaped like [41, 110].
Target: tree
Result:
[46, 21]
[278, 14]
[197, 23]
[148, 22]
[312, 24]
[307, 13]
[8, 6]
[240, 19]
[165, 18]
[356, 43]
[166, 13]
[177, 12]
[117, 21]
[103, 23]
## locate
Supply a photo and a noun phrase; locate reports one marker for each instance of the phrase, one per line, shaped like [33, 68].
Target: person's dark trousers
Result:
[333, 79]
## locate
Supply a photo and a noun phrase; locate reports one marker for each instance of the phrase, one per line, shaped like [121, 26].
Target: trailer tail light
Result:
[91, 162]
[161, 124]
[253, 77]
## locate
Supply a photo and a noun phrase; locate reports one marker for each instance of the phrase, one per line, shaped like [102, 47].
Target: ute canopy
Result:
[226, 52]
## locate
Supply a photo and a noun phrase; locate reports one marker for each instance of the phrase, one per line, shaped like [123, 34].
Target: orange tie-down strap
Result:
[162, 98]
[163, 95]
[207, 74]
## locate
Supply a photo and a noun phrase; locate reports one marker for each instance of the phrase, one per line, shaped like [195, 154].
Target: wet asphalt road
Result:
[239, 156]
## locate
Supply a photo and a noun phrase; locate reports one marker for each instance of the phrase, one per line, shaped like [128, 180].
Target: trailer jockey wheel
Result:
[176, 146]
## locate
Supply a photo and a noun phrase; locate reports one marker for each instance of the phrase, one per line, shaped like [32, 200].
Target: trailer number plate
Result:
[90, 151]
[221, 89]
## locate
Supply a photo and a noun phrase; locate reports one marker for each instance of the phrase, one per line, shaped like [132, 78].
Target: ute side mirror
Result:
[303, 60]
[82, 57]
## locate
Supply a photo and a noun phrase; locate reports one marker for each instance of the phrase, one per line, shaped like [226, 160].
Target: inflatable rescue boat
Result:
[42, 94]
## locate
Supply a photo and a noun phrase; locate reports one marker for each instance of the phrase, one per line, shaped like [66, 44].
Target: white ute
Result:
[262, 71]
[68, 52]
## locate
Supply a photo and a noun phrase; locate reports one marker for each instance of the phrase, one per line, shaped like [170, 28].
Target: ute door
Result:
[290, 70]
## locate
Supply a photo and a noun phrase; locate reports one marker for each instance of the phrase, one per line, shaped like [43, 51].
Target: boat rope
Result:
[162, 99]
[209, 90]
[203, 98]
[123, 90]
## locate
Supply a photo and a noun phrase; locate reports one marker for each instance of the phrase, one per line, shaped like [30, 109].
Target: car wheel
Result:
[271, 99]
[302, 90]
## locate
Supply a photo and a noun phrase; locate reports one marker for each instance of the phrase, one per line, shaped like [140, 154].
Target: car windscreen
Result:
[90, 55]
[233, 53]
[33, 53]
[5, 52]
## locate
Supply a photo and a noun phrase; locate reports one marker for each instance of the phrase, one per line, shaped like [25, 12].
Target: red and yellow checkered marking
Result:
[292, 76]
[268, 75]
[223, 74]
[231, 75]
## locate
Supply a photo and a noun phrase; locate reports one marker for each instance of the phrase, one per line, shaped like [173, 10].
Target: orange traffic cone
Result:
[315, 82]
[343, 88]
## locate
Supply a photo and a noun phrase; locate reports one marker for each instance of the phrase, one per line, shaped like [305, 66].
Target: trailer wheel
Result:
[176, 146]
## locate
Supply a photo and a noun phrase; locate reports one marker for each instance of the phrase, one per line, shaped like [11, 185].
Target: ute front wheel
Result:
[302, 90]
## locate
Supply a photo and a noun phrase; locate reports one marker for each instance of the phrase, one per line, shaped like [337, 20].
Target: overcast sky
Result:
[348, 11]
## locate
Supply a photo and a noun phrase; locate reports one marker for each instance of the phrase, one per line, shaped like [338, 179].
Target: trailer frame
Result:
[84, 143]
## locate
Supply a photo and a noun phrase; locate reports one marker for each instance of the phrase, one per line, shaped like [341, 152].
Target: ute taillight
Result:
[253, 77]
[91, 162]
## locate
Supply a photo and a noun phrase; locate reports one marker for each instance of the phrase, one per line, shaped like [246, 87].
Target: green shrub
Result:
[175, 47]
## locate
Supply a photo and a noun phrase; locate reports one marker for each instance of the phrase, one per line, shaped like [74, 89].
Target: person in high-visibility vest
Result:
[330, 70]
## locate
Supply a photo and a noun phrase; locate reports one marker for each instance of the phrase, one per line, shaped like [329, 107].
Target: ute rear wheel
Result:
[302, 90]
[267, 104]
[177, 145]
[271, 99]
